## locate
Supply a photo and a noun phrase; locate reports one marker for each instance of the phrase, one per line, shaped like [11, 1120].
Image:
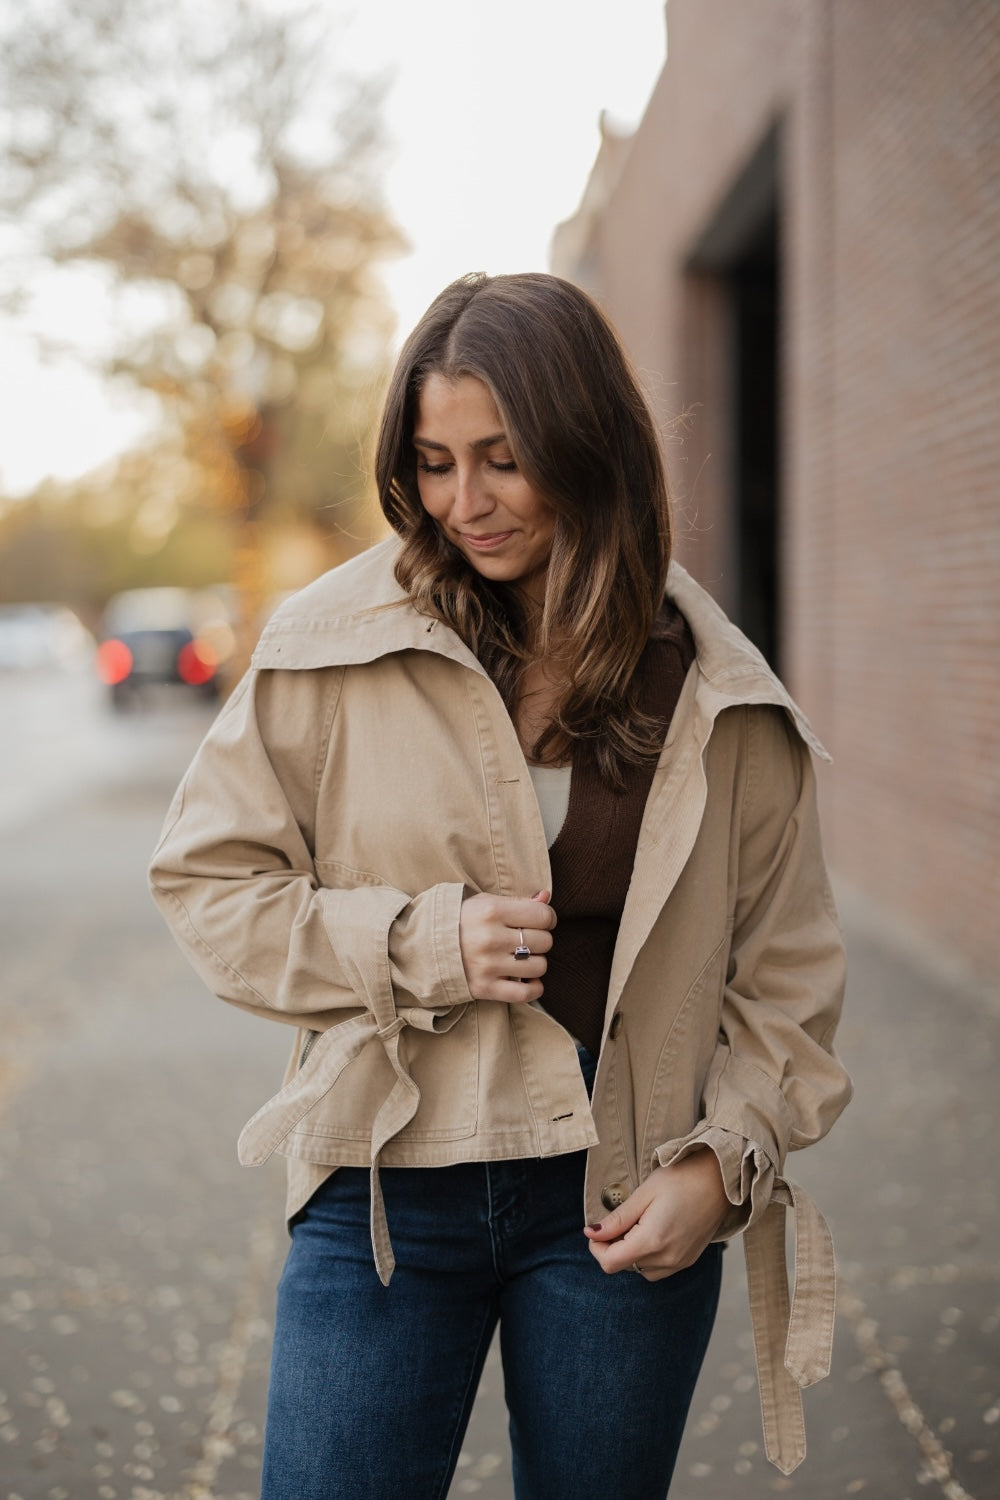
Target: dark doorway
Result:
[739, 253]
[755, 289]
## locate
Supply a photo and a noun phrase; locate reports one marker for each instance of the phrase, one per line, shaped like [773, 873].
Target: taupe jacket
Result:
[364, 778]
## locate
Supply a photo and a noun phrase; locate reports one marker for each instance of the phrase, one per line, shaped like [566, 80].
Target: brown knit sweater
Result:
[593, 854]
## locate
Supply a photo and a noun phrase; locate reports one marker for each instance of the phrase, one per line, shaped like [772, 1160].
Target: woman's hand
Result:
[667, 1222]
[489, 929]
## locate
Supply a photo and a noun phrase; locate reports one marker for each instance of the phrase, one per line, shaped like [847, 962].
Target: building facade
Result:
[799, 246]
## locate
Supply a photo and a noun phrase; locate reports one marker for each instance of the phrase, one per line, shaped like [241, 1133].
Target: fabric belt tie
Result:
[275, 1121]
[397, 1111]
[793, 1338]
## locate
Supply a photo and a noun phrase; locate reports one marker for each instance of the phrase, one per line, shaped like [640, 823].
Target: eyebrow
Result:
[483, 442]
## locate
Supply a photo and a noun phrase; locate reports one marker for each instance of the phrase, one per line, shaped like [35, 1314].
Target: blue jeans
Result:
[372, 1387]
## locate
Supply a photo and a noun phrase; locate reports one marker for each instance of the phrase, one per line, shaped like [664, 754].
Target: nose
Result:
[472, 498]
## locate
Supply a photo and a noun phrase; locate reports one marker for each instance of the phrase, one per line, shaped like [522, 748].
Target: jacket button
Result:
[614, 1195]
[616, 1025]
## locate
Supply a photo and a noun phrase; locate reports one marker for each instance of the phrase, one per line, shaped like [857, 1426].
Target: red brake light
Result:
[196, 663]
[113, 662]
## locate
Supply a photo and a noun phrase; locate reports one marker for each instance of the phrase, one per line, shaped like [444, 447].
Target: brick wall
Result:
[915, 662]
[889, 170]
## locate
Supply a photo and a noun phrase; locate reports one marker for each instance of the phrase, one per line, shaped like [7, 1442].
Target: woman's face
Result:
[470, 484]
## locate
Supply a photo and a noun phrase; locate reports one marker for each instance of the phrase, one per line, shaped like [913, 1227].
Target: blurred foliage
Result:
[117, 528]
[217, 177]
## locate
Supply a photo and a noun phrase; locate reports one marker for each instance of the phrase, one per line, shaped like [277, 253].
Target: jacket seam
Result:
[749, 789]
[322, 753]
[488, 792]
[682, 1016]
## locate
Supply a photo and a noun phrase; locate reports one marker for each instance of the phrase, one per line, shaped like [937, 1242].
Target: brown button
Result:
[614, 1195]
[616, 1024]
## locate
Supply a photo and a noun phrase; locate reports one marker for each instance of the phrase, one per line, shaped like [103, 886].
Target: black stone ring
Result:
[522, 950]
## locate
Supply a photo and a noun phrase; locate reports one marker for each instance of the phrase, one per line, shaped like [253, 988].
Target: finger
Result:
[509, 911]
[518, 969]
[650, 1272]
[534, 938]
[623, 1255]
[486, 976]
[619, 1221]
[537, 915]
[515, 991]
[639, 1243]
[651, 1264]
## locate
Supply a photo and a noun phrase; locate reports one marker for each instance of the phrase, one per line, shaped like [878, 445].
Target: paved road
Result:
[138, 1261]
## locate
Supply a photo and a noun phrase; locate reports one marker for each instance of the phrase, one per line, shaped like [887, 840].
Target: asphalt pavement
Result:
[138, 1260]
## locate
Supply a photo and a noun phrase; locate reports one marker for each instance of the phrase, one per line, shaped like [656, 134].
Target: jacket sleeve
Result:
[775, 1083]
[235, 878]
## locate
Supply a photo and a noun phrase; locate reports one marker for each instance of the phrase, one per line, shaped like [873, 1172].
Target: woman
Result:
[520, 833]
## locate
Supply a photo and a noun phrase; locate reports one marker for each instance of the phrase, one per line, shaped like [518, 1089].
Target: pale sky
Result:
[492, 115]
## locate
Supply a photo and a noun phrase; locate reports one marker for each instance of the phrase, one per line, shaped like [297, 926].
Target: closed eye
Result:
[508, 467]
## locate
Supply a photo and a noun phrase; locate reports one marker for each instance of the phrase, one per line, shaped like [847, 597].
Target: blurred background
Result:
[216, 225]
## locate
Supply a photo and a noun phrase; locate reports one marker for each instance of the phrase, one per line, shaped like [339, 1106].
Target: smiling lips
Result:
[488, 542]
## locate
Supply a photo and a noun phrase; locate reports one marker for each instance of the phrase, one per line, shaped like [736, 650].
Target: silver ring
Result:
[522, 950]
[637, 1268]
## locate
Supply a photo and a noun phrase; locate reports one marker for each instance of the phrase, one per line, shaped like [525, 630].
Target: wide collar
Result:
[357, 613]
[732, 669]
[352, 615]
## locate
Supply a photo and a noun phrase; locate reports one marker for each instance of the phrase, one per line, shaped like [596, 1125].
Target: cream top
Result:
[551, 785]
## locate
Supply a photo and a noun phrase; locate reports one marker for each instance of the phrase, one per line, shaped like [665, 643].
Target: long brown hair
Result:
[581, 433]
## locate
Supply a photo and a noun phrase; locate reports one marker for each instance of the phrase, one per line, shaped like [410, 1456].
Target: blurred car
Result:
[168, 637]
[40, 637]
